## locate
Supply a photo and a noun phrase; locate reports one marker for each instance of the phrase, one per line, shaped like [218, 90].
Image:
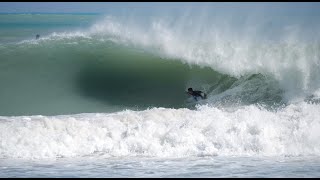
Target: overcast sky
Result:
[103, 7]
[91, 7]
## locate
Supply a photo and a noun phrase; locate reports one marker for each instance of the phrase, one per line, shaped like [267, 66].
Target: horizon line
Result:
[51, 13]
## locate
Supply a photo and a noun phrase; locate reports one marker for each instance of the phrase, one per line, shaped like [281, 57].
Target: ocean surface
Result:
[103, 95]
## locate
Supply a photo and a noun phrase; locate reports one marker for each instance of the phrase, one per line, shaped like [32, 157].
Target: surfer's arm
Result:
[199, 93]
[204, 96]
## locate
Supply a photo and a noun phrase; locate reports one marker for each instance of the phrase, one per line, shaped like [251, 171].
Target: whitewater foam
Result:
[162, 132]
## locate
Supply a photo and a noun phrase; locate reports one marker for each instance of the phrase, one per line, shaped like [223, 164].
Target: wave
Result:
[290, 57]
[117, 89]
[75, 73]
[140, 61]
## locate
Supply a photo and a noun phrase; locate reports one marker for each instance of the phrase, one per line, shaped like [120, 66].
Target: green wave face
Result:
[82, 75]
[61, 77]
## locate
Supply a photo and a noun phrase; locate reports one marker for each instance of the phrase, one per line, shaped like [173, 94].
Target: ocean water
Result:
[103, 95]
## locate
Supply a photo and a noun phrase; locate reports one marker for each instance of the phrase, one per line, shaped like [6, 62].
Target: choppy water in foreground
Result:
[303, 167]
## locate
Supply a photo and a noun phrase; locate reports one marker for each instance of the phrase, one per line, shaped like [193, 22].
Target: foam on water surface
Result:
[163, 132]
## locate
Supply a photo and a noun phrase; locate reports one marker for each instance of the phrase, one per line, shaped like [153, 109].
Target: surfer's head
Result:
[190, 90]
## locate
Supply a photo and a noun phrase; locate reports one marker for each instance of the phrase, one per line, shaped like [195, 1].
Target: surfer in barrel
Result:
[196, 94]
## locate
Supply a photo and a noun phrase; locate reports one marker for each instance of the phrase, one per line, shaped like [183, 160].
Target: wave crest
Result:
[290, 59]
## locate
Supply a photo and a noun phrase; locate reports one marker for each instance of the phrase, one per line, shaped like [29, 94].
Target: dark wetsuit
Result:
[196, 94]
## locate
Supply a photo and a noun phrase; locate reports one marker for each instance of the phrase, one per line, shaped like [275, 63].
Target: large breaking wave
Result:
[263, 92]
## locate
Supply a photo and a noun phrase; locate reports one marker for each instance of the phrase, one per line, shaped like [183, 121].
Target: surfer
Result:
[196, 94]
[37, 36]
